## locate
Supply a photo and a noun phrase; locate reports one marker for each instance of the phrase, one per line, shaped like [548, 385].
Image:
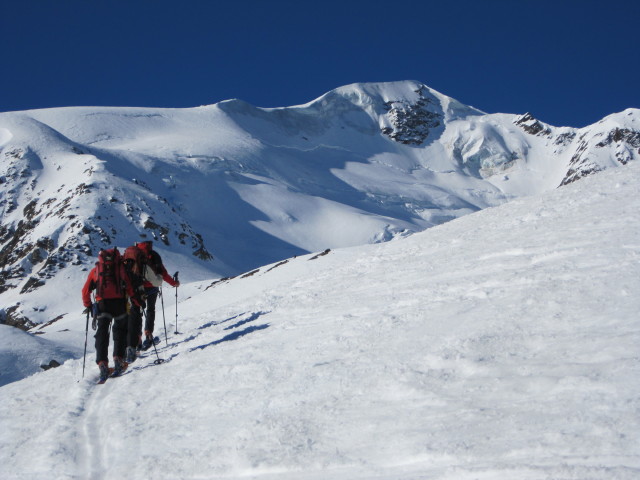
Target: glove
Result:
[92, 309]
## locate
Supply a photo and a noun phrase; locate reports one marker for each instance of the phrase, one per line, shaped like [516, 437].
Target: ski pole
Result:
[86, 335]
[158, 360]
[163, 318]
[175, 277]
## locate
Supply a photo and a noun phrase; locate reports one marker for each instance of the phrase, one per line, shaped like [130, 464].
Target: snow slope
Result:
[22, 353]
[226, 188]
[499, 345]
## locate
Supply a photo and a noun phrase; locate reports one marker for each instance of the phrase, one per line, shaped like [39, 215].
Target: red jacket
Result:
[92, 282]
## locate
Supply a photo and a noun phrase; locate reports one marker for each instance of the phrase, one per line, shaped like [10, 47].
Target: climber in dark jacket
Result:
[155, 273]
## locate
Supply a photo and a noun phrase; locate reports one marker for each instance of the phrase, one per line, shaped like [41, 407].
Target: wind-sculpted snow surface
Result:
[225, 188]
[499, 345]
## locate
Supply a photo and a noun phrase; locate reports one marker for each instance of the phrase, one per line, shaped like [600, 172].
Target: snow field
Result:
[500, 345]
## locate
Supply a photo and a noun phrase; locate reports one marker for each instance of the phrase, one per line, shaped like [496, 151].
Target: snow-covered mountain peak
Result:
[225, 188]
[405, 111]
[408, 92]
[629, 116]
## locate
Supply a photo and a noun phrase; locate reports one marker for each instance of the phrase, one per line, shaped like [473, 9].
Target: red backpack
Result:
[134, 261]
[109, 283]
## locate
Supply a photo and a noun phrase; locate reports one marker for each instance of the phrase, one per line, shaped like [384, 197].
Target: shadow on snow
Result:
[231, 336]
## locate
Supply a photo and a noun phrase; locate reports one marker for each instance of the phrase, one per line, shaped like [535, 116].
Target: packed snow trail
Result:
[500, 345]
[91, 439]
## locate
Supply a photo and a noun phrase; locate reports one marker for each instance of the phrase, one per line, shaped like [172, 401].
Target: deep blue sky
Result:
[568, 62]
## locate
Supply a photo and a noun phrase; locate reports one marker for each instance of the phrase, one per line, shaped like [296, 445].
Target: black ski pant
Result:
[111, 310]
[152, 296]
[135, 326]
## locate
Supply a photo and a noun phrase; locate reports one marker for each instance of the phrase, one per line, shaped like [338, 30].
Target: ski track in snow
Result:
[91, 435]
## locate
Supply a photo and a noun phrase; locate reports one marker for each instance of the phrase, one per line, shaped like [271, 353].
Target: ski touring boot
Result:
[104, 372]
[147, 343]
[119, 367]
[130, 355]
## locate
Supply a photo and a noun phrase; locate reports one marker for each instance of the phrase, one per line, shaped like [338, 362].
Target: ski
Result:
[156, 341]
[111, 374]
